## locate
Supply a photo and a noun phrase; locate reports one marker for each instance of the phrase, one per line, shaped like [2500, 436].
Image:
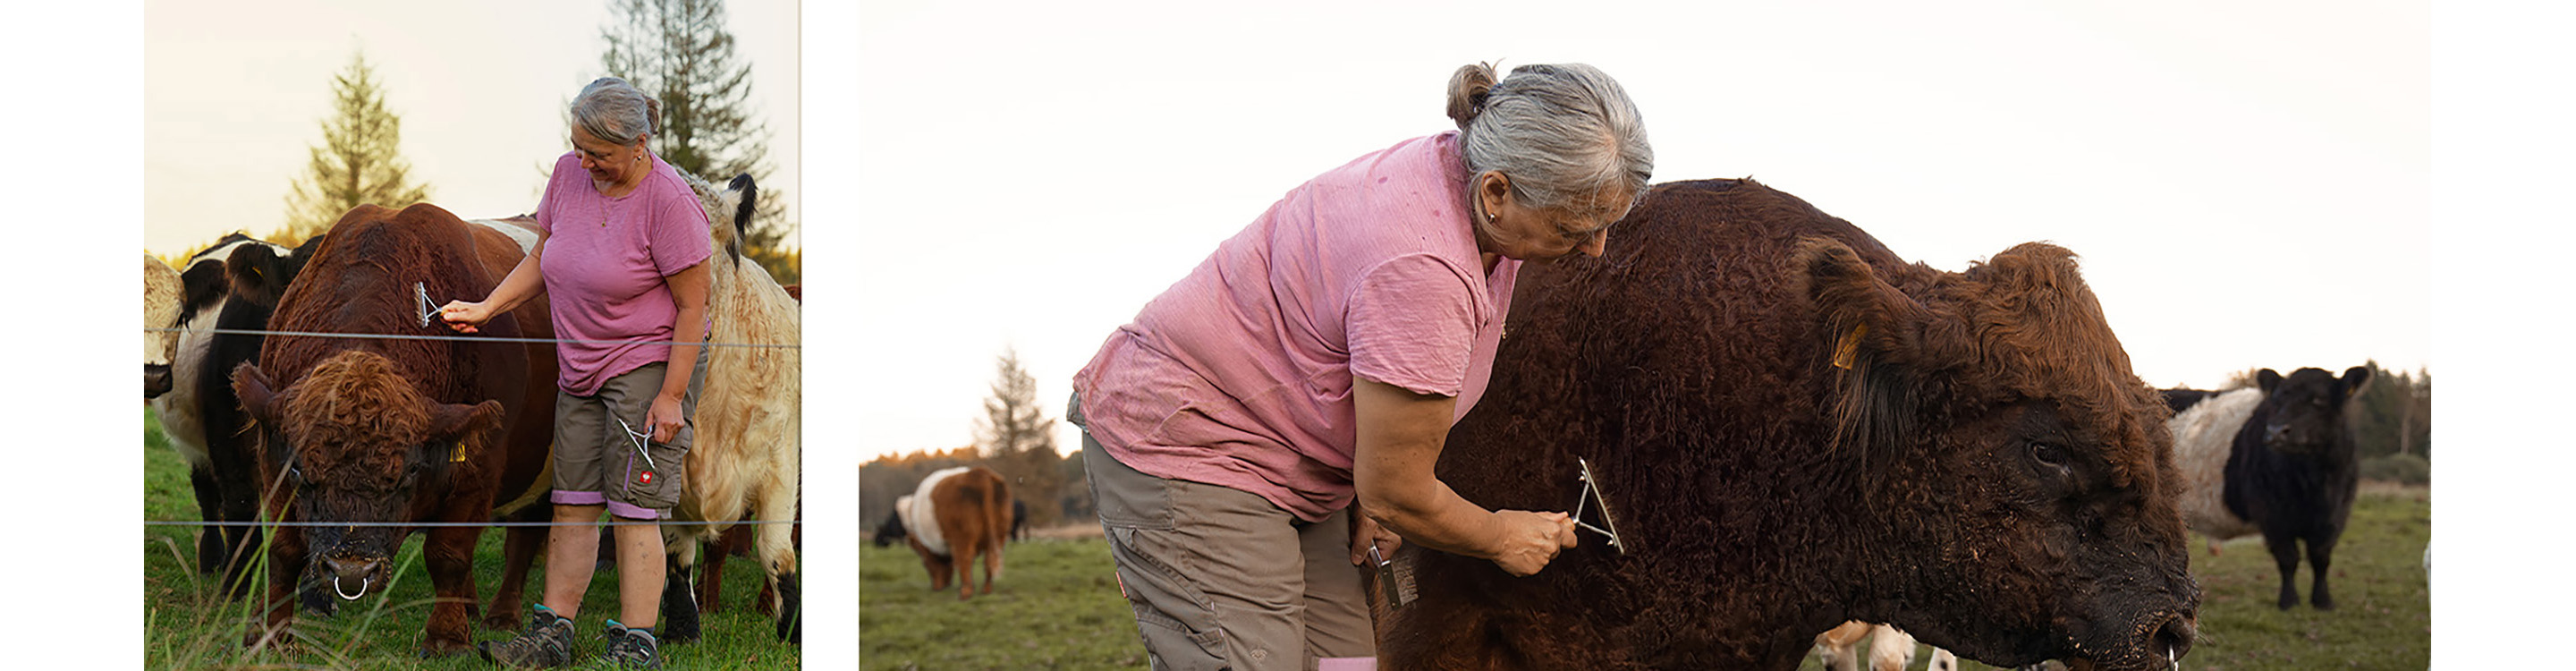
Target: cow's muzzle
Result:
[354, 573]
[156, 380]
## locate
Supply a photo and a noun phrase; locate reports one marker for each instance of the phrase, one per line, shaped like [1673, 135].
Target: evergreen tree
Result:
[1019, 439]
[679, 52]
[359, 161]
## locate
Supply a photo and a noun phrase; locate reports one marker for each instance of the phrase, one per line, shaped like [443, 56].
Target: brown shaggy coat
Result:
[372, 430]
[1986, 473]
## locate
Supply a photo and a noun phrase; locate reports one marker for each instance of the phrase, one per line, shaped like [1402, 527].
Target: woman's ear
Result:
[1493, 191]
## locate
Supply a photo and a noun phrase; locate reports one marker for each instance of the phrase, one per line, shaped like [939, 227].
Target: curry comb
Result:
[420, 301]
[1592, 499]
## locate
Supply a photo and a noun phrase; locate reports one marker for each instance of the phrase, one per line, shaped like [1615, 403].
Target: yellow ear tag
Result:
[457, 455]
[1849, 347]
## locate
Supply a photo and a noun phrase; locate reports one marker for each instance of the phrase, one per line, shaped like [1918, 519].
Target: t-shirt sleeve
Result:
[565, 166]
[679, 233]
[1411, 323]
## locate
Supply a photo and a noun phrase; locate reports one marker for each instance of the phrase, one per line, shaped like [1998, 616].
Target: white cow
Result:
[748, 453]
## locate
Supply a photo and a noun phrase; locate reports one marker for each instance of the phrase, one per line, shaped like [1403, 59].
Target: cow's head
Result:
[892, 529]
[353, 441]
[163, 295]
[258, 274]
[2012, 434]
[2303, 413]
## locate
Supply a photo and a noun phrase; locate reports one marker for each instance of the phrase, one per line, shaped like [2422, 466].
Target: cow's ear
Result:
[256, 274]
[1870, 336]
[2355, 379]
[258, 395]
[2268, 379]
[464, 426]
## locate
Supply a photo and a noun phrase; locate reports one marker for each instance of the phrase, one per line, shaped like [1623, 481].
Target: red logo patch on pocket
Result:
[644, 478]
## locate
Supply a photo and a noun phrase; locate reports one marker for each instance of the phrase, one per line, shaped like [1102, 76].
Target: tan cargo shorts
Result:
[597, 459]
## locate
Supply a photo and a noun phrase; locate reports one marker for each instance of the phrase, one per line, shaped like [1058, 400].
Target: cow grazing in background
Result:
[2278, 459]
[1794, 427]
[746, 462]
[1019, 520]
[891, 530]
[163, 294]
[231, 286]
[395, 431]
[954, 516]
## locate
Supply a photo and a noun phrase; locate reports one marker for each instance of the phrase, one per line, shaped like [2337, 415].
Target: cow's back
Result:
[922, 518]
[362, 280]
[2204, 437]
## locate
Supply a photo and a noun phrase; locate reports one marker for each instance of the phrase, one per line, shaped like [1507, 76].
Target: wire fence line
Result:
[401, 336]
[302, 523]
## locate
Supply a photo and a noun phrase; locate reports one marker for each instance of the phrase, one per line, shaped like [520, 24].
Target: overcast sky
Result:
[2245, 184]
[235, 94]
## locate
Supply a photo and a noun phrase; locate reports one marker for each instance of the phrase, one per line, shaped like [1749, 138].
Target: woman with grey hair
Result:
[621, 250]
[1313, 364]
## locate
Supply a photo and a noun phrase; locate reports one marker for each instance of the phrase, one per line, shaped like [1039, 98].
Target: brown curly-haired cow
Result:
[398, 430]
[1986, 473]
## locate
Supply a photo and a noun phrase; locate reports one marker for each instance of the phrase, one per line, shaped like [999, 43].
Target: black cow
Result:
[891, 531]
[231, 286]
[2293, 471]
[1019, 520]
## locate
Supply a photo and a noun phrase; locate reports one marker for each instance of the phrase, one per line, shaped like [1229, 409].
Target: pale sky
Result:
[2245, 182]
[235, 93]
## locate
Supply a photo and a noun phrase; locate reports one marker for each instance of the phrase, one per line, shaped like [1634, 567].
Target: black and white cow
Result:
[2276, 459]
[230, 286]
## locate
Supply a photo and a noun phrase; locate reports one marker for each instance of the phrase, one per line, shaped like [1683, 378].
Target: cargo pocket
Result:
[1176, 618]
[655, 483]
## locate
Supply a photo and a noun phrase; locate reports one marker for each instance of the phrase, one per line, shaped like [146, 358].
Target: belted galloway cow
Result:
[227, 292]
[2276, 458]
[371, 431]
[1793, 427]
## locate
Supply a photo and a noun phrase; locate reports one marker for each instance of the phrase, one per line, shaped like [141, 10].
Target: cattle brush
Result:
[1592, 498]
[420, 301]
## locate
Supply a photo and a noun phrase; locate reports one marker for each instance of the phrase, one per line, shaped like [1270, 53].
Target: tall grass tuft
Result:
[190, 624]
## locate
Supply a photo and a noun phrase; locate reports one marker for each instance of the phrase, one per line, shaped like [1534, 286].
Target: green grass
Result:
[1057, 606]
[190, 625]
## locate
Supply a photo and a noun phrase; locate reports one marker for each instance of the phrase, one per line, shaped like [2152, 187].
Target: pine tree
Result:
[359, 161]
[679, 52]
[1019, 439]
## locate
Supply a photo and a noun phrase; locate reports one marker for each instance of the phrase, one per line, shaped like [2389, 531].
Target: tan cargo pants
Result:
[1222, 579]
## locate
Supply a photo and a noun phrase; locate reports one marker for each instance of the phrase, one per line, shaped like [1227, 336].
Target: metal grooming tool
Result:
[652, 470]
[1592, 498]
[1386, 578]
[420, 301]
[638, 438]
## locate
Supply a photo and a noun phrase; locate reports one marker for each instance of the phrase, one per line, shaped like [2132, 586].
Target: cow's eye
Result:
[2048, 453]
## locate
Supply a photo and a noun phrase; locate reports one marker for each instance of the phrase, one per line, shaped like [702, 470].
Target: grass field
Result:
[190, 625]
[1057, 606]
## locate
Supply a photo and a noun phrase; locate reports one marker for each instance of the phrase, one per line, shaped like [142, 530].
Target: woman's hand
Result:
[665, 417]
[1366, 532]
[1531, 539]
[465, 317]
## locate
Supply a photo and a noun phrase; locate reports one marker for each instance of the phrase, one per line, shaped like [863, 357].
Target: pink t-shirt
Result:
[604, 262]
[1240, 374]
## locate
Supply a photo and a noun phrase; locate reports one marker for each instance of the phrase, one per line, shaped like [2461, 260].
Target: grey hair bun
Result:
[1467, 91]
